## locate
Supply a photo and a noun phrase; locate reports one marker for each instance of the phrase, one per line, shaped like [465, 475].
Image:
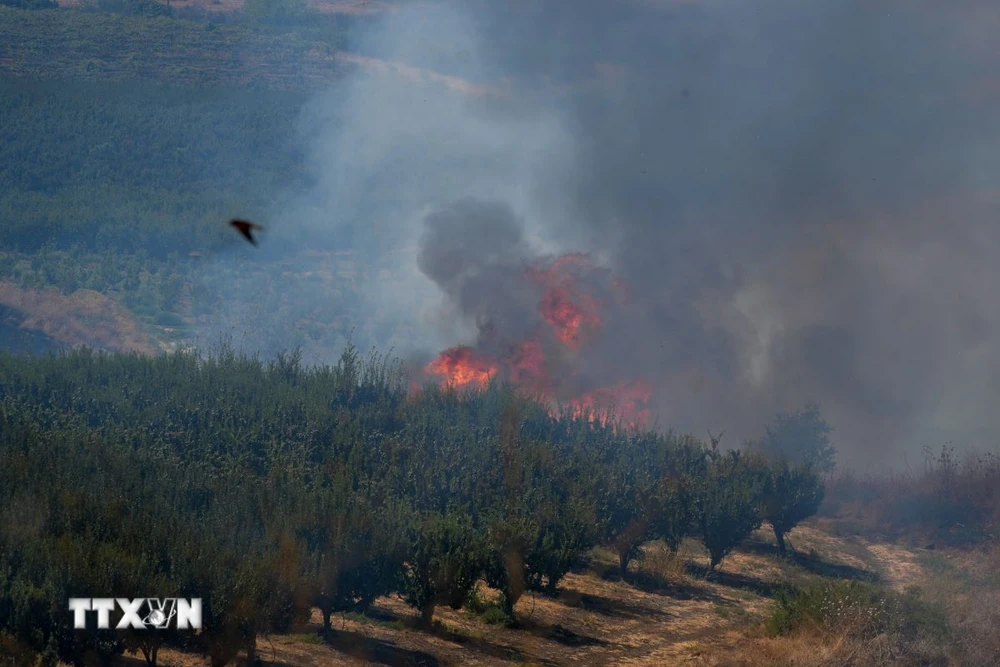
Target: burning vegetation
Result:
[572, 296]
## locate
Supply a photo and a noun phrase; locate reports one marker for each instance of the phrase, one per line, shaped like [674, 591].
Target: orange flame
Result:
[568, 316]
[573, 313]
[570, 311]
[461, 366]
[625, 401]
[527, 366]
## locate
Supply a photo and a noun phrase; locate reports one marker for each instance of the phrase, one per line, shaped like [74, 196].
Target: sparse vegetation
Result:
[869, 624]
[951, 502]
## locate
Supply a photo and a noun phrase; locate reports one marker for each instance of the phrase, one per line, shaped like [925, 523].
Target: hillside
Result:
[210, 114]
[610, 222]
[60, 44]
[435, 527]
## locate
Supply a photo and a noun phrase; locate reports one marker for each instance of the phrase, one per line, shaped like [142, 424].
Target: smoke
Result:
[799, 197]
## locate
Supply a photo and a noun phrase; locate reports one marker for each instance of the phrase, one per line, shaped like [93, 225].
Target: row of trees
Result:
[268, 489]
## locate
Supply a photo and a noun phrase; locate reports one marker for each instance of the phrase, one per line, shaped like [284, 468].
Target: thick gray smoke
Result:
[799, 196]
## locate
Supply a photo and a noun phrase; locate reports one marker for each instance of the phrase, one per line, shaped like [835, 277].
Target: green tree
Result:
[674, 510]
[558, 545]
[802, 436]
[792, 494]
[355, 556]
[730, 503]
[444, 558]
[504, 567]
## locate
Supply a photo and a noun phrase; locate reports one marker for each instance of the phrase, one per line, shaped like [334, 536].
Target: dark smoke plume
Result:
[800, 197]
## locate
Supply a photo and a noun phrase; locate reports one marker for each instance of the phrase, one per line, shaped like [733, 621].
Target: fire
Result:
[568, 316]
[625, 401]
[565, 306]
[573, 293]
[461, 366]
[527, 366]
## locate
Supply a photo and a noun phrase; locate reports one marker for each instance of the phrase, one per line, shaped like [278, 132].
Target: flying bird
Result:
[246, 228]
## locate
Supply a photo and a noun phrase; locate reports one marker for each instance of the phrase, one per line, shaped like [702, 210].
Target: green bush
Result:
[792, 493]
[730, 503]
[802, 437]
[558, 545]
[864, 609]
[444, 558]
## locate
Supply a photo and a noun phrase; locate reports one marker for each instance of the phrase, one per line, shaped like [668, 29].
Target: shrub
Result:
[674, 510]
[802, 437]
[951, 502]
[556, 548]
[860, 609]
[730, 503]
[792, 493]
[445, 558]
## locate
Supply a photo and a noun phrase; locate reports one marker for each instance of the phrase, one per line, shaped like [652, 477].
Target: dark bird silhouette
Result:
[246, 228]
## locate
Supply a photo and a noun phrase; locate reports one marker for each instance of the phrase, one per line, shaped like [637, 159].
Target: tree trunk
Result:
[326, 611]
[779, 536]
[624, 559]
[427, 614]
[507, 602]
[149, 653]
[252, 652]
[714, 562]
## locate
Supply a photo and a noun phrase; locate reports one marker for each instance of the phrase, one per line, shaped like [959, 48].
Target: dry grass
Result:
[951, 501]
[814, 649]
[84, 317]
[668, 612]
[967, 585]
[665, 612]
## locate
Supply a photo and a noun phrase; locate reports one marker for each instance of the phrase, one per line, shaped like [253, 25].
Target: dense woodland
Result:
[271, 488]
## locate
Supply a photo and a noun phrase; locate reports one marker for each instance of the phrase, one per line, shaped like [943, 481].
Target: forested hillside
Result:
[126, 142]
[270, 488]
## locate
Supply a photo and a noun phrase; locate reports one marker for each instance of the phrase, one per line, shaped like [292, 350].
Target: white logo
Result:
[139, 613]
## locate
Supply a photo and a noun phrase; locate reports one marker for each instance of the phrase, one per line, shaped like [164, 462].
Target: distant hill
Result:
[68, 43]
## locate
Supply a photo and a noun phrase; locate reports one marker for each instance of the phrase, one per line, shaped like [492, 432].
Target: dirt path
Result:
[898, 565]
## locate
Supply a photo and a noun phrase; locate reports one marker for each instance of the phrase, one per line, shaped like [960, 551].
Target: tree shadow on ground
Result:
[607, 606]
[473, 643]
[559, 634]
[378, 651]
[678, 590]
[812, 562]
[658, 585]
[744, 582]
